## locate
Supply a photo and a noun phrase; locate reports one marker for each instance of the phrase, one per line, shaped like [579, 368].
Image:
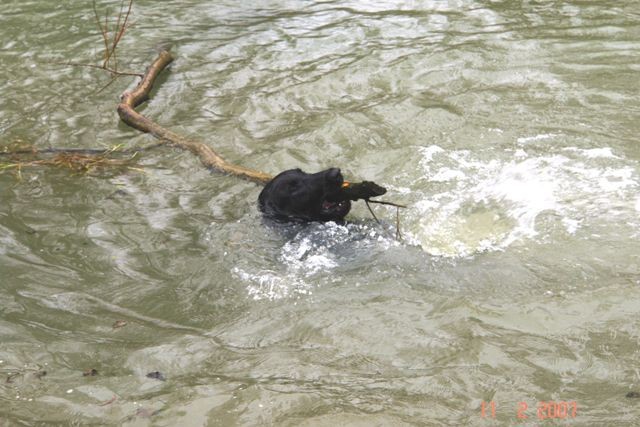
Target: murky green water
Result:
[511, 128]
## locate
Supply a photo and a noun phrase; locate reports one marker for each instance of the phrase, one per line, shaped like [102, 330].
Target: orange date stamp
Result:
[545, 410]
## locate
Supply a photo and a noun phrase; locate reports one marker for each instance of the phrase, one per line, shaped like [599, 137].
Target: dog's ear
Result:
[333, 176]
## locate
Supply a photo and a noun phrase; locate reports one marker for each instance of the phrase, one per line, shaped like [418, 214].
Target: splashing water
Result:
[491, 204]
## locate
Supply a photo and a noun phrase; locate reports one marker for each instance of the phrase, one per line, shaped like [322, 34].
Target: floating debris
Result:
[11, 376]
[119, 324]
[108, 402]
[156, 375]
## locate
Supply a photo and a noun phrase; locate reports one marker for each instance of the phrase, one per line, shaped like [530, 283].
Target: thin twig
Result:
[109, 56]
[102, 30]
[376, 218]
[119, 31]
[101, 67]
[398, 206]
[108, 402]
[382, 202]
[119, 17]
[107, 52]
[124, 27]
[398, 235]
[113, 79]
[371, 210]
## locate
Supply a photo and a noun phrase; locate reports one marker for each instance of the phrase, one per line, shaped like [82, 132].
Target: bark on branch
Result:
[129, 100]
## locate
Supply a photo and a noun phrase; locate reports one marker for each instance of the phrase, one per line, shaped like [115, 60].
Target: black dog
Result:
[294, 195]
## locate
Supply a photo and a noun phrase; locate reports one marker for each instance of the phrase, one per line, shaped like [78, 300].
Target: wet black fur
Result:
[294, 195]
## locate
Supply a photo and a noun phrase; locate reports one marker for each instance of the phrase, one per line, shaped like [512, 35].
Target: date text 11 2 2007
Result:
[546, 410]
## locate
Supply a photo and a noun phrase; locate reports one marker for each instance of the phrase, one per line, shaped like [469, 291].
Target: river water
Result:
[509, 128]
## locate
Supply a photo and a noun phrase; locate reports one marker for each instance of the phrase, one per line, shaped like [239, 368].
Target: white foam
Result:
[309, 254]
[593, 153]
[307, 258]
[571, 225]
[520, 153]
[446, 174]
[310, 251]
[490, 204]
[527, 188]
[534, 138]
[272, 286]
[429, 152]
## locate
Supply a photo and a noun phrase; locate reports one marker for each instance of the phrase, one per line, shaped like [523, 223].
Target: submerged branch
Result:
[78, 161]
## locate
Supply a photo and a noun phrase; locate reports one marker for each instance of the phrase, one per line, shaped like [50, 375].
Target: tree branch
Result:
[131, 99]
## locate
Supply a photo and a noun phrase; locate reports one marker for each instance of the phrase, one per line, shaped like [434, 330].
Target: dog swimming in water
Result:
[294, 195]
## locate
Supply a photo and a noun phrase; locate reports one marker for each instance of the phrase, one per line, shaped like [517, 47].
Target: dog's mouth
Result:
[336, 209]
[334, 205]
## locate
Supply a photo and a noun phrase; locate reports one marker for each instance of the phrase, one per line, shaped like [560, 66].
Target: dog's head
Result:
[294, 195]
